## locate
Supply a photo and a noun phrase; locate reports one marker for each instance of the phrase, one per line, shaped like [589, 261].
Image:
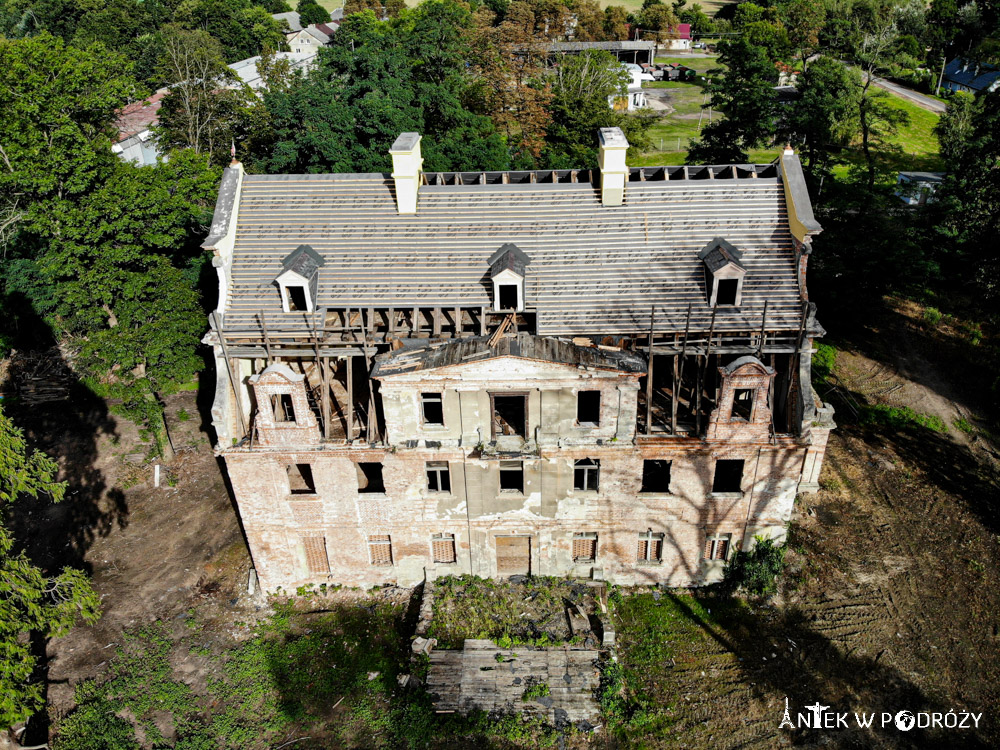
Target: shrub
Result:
[756, 571]
[823, 362]
[933, 316]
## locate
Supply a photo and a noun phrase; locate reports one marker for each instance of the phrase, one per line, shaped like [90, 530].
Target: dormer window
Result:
[507, 269]
[724, 273]
[298, 281]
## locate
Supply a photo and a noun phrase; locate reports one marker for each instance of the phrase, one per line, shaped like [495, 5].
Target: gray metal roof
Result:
[508, 258]
[595, 270]
[521, 346]
[303, 260]
[719, 253]
[972, 75]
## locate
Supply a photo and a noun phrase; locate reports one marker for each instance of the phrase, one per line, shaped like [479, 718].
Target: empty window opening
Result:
[508, 296]
[585, 474]
[588, 408]
[316, 559]
[585, 547]
[728, 475]
[300, 479]
[380, 549]
[443, 548]
[509, 415]
[433, 410]
[717, 547]
[370, 477]
[655, 476]
[743, 404]
[726, 294]
[650, 548]
[281, 406]
[438, 476]
[511, 476]
[296, 298]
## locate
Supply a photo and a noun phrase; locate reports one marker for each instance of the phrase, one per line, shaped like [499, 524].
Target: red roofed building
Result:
[135, 142]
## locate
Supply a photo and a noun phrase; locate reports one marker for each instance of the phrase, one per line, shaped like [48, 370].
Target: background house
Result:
[968, 75]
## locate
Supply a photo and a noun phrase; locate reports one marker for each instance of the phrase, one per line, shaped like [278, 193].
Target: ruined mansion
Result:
[598, 373]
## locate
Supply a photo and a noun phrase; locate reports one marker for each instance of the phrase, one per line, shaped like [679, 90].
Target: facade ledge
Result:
[726, 495]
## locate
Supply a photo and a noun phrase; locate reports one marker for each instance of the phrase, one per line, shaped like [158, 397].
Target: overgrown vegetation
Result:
[755, 572]
[471, 607]
[277, 684]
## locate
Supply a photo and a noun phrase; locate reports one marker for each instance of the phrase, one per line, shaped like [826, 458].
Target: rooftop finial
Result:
[232, 151]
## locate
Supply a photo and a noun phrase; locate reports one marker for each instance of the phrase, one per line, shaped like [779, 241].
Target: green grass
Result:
[279, 683]
[900, 418]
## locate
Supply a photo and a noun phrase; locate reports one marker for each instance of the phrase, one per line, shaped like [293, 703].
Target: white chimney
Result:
[406, 167]
[614, 172]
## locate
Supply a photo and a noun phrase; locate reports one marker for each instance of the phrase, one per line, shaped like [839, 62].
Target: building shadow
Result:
[55, 536]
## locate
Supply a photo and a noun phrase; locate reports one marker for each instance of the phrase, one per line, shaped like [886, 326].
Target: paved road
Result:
[919, 99]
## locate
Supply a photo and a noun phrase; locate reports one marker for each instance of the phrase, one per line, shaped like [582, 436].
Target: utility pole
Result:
[937, 91]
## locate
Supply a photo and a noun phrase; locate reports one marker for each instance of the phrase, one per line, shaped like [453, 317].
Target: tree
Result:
[241, 28]
[954, 129]
[968, 200]
[589, 21]
[57, 106]
[615, 23]
[311, 12]
[202, 111]
[510, 84]
[825, 118]
[31, 600]
[581, 86]
[660, 19]
[804, 19]
[745, 94]
[377, 80]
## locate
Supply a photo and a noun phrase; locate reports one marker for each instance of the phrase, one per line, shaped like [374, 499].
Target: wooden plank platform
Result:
[473, 678]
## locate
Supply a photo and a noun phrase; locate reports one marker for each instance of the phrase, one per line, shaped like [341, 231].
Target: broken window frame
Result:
[743, 415]
[438, 476]
[493, 412]
[597, 413]
[380, 550]
[432, 398]
[510, 468]
[644, 488]
[368, 488]
[728, 462]
[446, 541]
[586, 539]
[290, 301]
[586, 471]
[282, 408]
[650, 548]
[717, 547]
[307, 479]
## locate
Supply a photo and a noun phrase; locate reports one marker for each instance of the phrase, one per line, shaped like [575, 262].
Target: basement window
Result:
[297, 298]
[588, 408]
[655, 476]
[585, 547]
[300, 479]
[432, 409]
[512, 477]
[510, 415]
[585, 474]
[443, 549]
[728, 475]
[282, 408]
[370, 478]
[650, 550]
[717, 546]
[380, 549]
[742, 404]
[438, 476]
